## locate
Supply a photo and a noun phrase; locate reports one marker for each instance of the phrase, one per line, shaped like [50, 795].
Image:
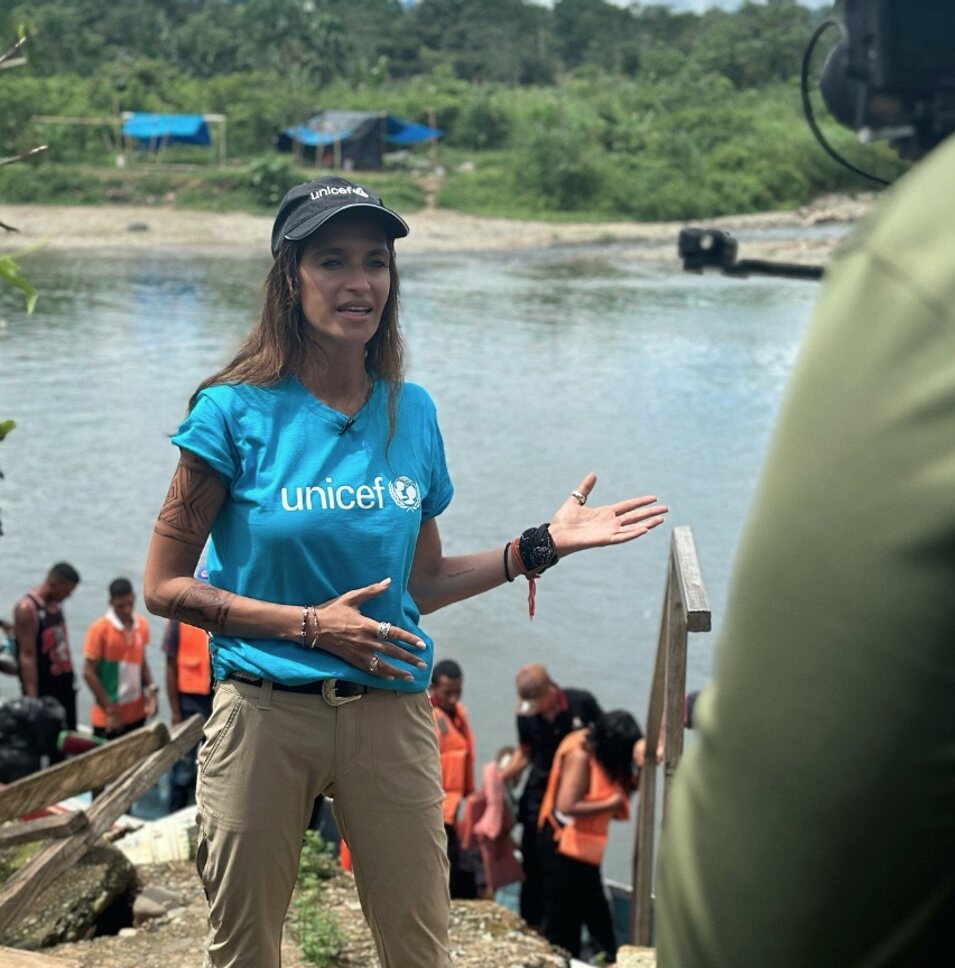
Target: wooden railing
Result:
[685, 610]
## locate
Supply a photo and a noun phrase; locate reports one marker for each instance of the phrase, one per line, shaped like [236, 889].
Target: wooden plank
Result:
[641, 910]
[54, 827]
[14, 958]
[643, 846]
[51, 861]
[675, 698]
[690, 580]
[88, 771]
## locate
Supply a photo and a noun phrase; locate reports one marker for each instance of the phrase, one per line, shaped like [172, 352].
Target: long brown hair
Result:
[276, 347]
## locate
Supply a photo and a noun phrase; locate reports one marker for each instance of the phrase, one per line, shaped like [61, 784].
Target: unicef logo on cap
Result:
[405, 493]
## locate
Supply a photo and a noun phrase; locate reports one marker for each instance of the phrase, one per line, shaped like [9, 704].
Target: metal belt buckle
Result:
[328, 694]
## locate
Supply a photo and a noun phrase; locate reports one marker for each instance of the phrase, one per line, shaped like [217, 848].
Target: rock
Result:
[145, 909]
[11, 958]
[631, 957]
[96, 896]
[162, 896]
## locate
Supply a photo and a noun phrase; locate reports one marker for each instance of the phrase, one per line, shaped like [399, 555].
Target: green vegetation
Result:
[316, 930]
[585, 110]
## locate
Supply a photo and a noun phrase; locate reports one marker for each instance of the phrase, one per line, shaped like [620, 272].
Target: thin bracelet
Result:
[318, 631]
[304, 624]
[507, 554]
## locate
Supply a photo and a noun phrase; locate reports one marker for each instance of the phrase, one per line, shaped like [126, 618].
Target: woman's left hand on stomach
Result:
[362, 641]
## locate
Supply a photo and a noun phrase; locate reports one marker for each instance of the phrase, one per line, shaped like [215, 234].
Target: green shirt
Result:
[813, 822]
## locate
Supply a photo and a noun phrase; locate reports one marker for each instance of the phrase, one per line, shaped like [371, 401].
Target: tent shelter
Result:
[352, 139]
[153, 132]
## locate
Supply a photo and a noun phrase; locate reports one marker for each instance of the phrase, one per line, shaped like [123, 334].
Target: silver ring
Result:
[384, 630]
[373, 665]
[581, 499]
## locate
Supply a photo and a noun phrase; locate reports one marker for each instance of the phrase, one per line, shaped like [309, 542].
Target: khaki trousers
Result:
[267, 755]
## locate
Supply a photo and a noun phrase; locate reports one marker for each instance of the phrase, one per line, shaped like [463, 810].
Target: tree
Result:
[9, 270]
[508, 41]
[756, 45]
[597, 34]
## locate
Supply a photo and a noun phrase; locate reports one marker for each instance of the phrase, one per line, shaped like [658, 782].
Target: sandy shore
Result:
[120, 228]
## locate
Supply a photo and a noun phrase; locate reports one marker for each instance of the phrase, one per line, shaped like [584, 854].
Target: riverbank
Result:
[481, 933]
[769, 235]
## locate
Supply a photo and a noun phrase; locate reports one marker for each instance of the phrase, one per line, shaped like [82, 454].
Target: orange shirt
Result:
[118, 653]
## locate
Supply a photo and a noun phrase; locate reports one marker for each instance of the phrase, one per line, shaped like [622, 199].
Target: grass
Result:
[316, 929]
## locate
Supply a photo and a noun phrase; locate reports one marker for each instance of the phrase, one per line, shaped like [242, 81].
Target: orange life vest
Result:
[456, 747]
[193, 672]
[585, 837]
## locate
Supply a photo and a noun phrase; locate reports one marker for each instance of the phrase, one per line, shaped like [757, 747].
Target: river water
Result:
[543, 366]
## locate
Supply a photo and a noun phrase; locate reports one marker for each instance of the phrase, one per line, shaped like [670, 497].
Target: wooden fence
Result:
[685, 610]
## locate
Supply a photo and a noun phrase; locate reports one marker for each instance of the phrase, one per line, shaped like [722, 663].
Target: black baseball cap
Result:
[310, 205]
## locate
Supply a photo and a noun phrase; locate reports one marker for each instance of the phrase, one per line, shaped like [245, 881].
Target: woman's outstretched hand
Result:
[575, 526]
[361, 641]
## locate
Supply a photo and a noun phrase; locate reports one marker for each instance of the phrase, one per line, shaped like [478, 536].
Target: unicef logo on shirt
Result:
[405, 493]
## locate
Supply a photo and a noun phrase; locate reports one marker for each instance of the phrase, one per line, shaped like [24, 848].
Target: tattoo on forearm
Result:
[459, 574]
[192, 502]
[203, 606]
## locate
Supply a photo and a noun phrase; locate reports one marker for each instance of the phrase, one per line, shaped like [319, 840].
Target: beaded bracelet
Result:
[310, 610]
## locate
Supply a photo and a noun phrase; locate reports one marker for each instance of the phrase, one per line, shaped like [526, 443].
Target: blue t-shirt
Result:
[313, 511]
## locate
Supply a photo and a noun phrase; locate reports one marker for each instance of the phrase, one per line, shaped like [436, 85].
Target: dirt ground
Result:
[123, 228]
[482, 934]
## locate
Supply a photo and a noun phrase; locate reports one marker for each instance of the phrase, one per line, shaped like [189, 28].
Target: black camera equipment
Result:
[890, 78]
[715, 249]
[892, 75]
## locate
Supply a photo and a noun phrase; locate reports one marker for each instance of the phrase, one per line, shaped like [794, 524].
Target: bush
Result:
[53, 184]
[270, 177]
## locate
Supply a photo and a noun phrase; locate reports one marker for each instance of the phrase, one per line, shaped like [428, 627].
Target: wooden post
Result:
[53, 827]
[433, 124]
[640, 928]
[685, 609]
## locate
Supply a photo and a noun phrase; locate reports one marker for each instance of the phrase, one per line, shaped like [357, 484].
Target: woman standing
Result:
[318, 475]
[594, 773]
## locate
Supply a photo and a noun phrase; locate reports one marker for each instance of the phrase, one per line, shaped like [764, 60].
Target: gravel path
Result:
[482, 934]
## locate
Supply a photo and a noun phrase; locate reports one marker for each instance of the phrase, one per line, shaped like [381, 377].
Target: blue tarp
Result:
[328, 127]
[304, 135]
[400, 132]
[163, 129]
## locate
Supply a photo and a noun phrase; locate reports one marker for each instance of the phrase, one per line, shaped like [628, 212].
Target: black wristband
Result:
[507, 568]
[537, 550]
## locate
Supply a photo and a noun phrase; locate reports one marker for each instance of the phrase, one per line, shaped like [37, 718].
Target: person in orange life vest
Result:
[189, 688]
[594, 773]
[546, 713]
[456, 749]
[115, 666]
